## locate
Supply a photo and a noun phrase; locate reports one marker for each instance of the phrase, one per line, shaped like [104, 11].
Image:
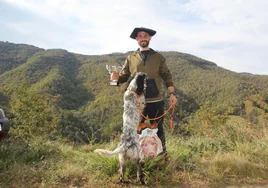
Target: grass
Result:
[237, 156]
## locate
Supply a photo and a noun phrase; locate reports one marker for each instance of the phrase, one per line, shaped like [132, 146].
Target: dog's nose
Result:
[151, 155]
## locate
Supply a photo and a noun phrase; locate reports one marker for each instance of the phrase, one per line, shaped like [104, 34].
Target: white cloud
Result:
[230, 33]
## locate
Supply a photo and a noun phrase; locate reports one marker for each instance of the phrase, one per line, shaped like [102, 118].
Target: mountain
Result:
[77, 86]
[14, 55]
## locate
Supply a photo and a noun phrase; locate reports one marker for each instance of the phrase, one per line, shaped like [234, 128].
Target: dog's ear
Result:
[159, 144]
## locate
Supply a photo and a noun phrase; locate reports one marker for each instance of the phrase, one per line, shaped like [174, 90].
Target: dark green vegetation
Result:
[61, 107]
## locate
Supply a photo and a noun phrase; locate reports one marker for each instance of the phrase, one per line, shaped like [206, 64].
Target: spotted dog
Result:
[129, 147]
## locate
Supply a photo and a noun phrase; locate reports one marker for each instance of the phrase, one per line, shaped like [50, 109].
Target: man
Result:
[153, 64]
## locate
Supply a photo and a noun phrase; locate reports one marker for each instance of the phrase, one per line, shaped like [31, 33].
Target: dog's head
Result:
[138, 83]
[151, 145]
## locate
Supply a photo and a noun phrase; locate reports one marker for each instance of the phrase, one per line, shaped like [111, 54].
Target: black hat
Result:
[138, 29]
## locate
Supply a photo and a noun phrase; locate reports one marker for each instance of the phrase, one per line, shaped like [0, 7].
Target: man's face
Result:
[143, 39]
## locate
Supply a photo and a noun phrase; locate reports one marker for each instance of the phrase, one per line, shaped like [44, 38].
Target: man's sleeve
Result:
[125, 73]
[165, 73]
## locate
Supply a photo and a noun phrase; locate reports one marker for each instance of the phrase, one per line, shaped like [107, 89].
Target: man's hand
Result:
[114, 76]
[173, 99]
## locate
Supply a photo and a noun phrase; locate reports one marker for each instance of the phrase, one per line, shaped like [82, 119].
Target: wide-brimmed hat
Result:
[138, 29]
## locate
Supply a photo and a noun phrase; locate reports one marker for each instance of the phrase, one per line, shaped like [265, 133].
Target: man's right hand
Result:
[114, 76]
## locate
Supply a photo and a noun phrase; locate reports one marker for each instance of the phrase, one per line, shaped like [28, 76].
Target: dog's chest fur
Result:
[131, 119]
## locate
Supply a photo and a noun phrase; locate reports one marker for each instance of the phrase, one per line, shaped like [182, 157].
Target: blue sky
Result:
[231, 33]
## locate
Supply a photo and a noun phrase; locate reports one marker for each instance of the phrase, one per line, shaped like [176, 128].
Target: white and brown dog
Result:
[129, 147]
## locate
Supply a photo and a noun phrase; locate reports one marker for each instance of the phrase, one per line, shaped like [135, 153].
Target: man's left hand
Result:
[173, 99]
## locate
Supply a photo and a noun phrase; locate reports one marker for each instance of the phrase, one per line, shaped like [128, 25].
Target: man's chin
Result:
[144, 44]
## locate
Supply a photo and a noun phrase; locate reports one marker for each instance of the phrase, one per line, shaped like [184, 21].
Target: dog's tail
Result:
[109, 153]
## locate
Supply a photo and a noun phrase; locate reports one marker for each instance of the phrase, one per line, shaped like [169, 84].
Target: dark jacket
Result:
[156, 69]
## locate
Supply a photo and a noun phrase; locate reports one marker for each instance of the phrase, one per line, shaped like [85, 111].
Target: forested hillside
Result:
[14, 55]
[77, 85]
[56, 94]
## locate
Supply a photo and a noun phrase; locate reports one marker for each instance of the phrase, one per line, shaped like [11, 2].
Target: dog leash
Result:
[156, 118]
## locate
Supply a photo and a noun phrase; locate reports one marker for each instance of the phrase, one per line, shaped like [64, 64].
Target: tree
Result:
[32, 114]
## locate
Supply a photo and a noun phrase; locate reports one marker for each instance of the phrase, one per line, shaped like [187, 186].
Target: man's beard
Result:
[144, 43]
